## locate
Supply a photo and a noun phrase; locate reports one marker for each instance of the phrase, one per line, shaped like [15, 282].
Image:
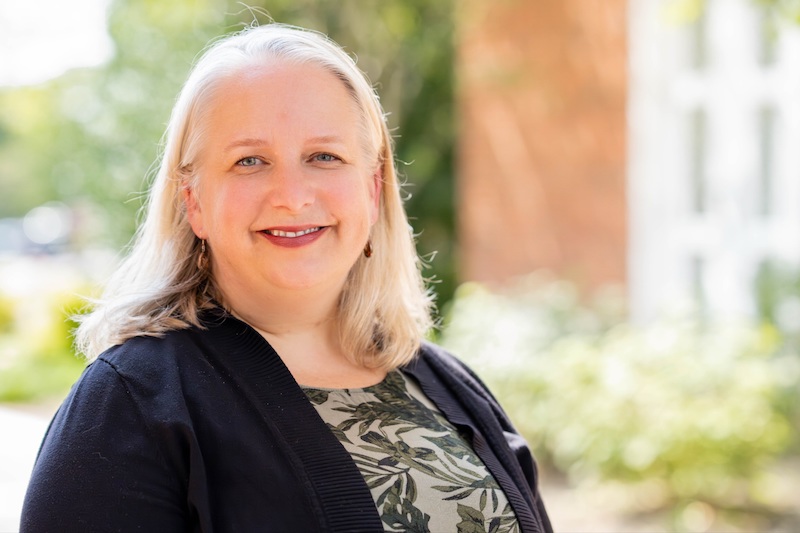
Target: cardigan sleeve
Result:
[455, 374]
[524, 456]
[521, 450]
[516, 442]
[99, 467]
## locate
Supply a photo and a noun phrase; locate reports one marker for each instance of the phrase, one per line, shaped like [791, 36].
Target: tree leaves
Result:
[94, 133]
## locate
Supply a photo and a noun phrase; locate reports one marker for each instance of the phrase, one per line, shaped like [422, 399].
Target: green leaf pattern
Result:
[423, 474]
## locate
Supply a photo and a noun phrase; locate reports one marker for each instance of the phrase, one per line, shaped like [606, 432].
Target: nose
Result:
[290, 188]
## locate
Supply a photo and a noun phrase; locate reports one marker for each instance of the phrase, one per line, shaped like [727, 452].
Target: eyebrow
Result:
[245, 142]
[326, 139]
[254, 141]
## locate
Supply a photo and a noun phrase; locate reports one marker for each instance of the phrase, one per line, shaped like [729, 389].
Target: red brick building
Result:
[542, 159]
[625, 141]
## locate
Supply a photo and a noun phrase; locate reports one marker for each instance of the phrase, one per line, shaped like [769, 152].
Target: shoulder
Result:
[447, 361]
[450, 369]
[149, 372]
[443, 369]
[134, 388]
[151, 349]
[428, 351]
[155, 356]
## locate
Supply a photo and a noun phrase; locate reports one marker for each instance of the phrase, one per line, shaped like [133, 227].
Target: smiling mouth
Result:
[291, 234]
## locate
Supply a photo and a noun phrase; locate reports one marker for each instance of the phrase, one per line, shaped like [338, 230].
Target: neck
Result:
[281, 311]
[303, 331]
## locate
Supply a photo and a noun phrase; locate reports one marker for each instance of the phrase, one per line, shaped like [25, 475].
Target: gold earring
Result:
[202, 259]
[368, 249]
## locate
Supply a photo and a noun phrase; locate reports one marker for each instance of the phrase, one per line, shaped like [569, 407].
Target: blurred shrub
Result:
[36, 356]
[6, 314]
[778, 299]
[698, 408]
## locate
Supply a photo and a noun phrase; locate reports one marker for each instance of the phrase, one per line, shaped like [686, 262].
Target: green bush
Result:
[37, 360]
[700, 407]
[6, 314]
[34, 379]
[778, 298]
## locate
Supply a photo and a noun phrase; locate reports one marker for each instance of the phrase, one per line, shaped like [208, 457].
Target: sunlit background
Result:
[607, 193]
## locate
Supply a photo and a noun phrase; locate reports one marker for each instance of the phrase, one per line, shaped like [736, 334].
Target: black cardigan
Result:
[206, 430]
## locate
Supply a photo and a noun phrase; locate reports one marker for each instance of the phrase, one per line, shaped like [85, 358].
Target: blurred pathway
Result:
[22, 433]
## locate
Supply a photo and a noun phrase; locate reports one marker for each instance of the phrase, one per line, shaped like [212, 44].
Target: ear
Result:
[193, 211]
[376, 188]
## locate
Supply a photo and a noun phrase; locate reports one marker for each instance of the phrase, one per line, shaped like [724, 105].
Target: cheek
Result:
[355, 199]
[231, 205]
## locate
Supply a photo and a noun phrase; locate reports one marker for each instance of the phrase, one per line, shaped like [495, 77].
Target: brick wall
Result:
[541, 183]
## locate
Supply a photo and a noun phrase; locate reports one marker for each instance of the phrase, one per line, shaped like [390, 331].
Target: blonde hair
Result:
[384, 308]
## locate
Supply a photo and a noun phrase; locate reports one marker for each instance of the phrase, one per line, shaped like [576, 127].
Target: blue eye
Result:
[326, 158]
[248, 161]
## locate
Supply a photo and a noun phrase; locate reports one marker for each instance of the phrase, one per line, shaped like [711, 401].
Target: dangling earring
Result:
[202, 259]
[368, 249]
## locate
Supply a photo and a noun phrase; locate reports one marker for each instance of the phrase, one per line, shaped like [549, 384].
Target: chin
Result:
[298, 280]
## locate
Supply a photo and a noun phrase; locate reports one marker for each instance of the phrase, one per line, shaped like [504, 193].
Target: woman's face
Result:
[286, 193]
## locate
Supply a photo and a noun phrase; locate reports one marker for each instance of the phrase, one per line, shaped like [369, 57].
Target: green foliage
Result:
[37, 379]
[6, 314]
[36, 356]
[781, 9]
[89, 137]
[778, 299]
[690, 10]
[701, 408]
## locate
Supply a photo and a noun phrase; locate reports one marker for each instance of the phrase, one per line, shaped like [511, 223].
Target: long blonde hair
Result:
[384, 309]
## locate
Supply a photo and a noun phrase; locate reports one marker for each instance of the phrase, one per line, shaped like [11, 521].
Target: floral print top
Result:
[422, 473]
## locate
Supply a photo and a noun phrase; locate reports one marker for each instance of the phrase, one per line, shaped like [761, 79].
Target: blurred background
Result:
[607, 194]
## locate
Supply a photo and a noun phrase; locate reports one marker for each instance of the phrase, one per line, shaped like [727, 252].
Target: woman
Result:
[257, 363]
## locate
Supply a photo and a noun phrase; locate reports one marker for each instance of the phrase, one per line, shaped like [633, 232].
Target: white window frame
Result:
[678, 256]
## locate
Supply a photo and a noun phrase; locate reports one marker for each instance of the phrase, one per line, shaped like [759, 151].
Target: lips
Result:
[293, 237]
[292, 234]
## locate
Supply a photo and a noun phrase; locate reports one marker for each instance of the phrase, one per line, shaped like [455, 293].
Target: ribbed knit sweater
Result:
[206, 430]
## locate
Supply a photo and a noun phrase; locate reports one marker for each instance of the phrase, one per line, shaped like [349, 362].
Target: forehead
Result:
[277, 102]
[277, 89]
